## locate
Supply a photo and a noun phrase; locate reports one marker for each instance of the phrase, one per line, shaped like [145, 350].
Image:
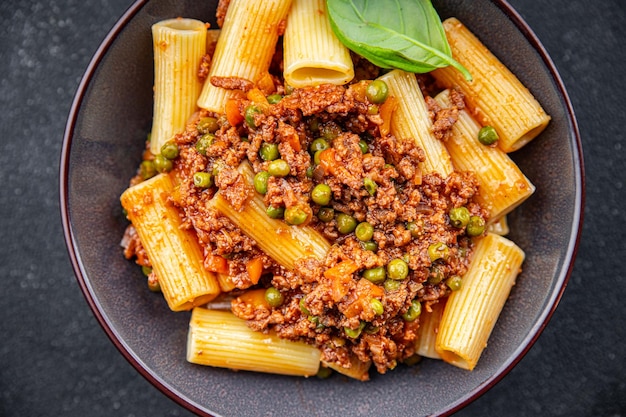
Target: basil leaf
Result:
[403, 34]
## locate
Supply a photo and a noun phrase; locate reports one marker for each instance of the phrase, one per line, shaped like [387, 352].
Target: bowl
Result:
[109, 119]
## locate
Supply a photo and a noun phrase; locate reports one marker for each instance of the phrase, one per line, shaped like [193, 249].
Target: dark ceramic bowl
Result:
[109, 120]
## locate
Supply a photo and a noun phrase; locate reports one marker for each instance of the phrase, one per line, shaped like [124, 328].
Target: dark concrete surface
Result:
[55, 360]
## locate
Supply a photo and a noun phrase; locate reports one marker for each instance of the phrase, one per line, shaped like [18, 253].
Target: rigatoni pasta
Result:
[312, 53]
[179, 45]
[411, 121]
[495, 95]
[245, 46]
[503, 186]
[174, 251]
[471, 313]
[218, 338]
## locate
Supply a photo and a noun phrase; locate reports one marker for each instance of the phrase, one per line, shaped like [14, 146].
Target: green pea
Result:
[162, 164]
[345, 223]
[377, 91]
[377, 306]
[295, 215]
[476, 226]
[309, 171]
[364, 231]
[375, 275]
[370, 245]
[269, 151]
[354, 333]
[414, 228]
[318, 144]
[260, 182]
[249, 113]
[169, 150]
[275, 212]
[207, 125]
[321, 194]
[455, 282]
[435, 275]
[203, 179]
[146, 270]
[392, 285]
[278, 168]
[326, 214]
[317, 157]
[459, 217]
[204, 142]
[273, 297]
[147, 169]
[274, 98]
[364, 147]
[412, 360]
[413, 311]
[370, 185]
[397, 269]
[438, 250]
[303, 309]
[487, 135]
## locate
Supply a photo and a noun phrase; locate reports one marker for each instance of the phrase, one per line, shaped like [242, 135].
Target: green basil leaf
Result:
[403, 34]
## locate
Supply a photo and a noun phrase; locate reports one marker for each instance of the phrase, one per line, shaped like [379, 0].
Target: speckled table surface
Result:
[56, 360]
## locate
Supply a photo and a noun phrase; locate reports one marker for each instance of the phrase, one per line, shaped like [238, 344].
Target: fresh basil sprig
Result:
[403, 34]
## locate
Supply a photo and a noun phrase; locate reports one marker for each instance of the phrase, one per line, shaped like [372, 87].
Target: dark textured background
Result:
[56, 360]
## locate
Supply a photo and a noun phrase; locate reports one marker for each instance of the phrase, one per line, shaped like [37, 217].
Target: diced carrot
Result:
[216, 263]
[293, 140]
[266, 84]
[255, 269]
[255, 297]
[340, 276]
[233, 112]
[327, 161]
[255, 95]
[386, 111]
[365, 291]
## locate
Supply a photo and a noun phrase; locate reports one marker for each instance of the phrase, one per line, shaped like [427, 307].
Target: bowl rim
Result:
[170, 391]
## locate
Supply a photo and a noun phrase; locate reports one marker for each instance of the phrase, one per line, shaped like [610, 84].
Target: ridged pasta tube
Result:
[219, 338]
[179, 45]
[471, 312]
[174, 252]
[312, 53]
[245, 46]
[411, 121]
[495, 96]
[283, 243]
[502, 185]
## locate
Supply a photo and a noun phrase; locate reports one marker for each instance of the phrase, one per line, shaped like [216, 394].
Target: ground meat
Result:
[232, 83]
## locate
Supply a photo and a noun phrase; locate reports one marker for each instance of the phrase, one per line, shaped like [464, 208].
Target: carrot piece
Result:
[340, 276]
[233, 112]
[216, 263]
[255, 95]
[266, 84]
[293, 140]
[386, 111]
[255, 269]
[327, 161]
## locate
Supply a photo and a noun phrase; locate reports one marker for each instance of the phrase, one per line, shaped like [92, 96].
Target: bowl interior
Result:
[109, 121]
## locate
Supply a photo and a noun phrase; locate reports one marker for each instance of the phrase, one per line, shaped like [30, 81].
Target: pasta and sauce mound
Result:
[322, 213]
